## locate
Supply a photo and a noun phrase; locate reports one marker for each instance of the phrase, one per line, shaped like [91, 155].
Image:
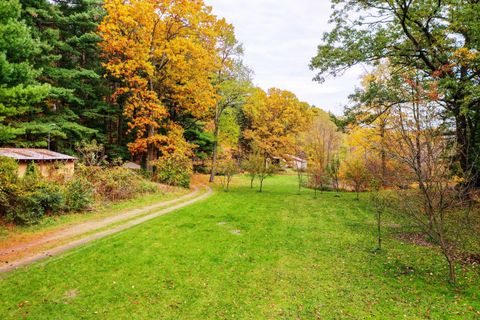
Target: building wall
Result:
[302, 165]
[50, 168]
[22, 168]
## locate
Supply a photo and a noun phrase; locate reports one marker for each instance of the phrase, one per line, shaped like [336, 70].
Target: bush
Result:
[8, 170]
[115, 183]
[26, 200]
[79, 195]
[27, 209]
[8, 183]
[29, 206]
[174, 170]
[50, 197]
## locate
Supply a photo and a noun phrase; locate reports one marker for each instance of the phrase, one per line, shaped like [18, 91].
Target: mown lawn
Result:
[246, 255]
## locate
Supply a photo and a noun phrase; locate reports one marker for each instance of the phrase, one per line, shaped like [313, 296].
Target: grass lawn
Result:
[246, 255]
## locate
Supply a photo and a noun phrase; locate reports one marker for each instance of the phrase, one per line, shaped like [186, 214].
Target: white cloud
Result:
[280, 38]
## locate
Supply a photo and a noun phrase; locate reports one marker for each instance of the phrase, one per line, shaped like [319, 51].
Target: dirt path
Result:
[95, 225]
[78, 229]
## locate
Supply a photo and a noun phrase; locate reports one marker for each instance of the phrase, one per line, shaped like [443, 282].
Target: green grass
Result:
[295, 257]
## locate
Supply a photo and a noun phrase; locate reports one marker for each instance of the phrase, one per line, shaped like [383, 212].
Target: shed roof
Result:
[33, 154]
[296, 158]
[132, 165]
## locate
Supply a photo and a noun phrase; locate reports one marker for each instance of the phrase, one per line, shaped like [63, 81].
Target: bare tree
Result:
[252, 165]
[322, 142]
[356, 174]
[228, 168]
[317, 177]
[299, 165]
[333, 170]
[380, 201]
[418, 139]
[266, 168]
[91, 153]
[259, 166]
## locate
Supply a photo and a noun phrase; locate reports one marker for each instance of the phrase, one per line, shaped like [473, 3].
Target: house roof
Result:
[132, 165]
[33, 154]
[296, 158]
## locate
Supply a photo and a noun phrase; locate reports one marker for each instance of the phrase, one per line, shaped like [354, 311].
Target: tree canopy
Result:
[437, 39]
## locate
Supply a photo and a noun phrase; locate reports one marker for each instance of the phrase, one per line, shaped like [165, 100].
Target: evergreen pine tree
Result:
[66, 41]
[20, 92]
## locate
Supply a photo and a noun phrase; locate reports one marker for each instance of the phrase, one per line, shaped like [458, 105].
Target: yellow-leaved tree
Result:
[163, 54]
[274, 119]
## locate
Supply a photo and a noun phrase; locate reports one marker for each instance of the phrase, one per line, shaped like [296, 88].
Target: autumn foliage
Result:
[163, 55]
[275, 118]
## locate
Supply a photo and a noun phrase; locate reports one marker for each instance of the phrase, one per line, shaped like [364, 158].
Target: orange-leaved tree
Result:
[163, 54]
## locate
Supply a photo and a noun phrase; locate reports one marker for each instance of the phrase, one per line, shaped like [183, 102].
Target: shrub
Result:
[27, 209]
[147, 187]
[115, 183]
[91, 153]
[50, 197]
[174, 169]
[8, 183]
[29, 206]
[79, 194]
[26, 200]
[8, 170]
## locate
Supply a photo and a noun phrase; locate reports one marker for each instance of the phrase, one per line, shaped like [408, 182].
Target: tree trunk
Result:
[337, 184]
[461, 135]
[150, 151]
[214, 155]
[451, 269]
[379, 229]
[383, 154]
[262, 177]
[251, 182]
[299, 173]
[228, 182]
[451, 262]
[465, 143]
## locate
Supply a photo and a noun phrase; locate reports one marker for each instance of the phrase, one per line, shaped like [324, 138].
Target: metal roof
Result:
[132, 165]
[33, 154]
[297, 158]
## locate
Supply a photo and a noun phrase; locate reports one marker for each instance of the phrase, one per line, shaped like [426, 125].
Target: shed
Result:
[132, 165]
[48, 162]
[298, 163]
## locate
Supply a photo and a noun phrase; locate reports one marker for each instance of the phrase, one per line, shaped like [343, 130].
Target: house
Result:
[48, 162]
[297, 163]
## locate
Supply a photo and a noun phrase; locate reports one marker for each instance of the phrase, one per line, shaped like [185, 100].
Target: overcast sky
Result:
[280, 37]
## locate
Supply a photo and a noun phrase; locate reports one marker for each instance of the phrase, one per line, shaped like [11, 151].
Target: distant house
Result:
[298, 163]
[132, 165]
[48, 162]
